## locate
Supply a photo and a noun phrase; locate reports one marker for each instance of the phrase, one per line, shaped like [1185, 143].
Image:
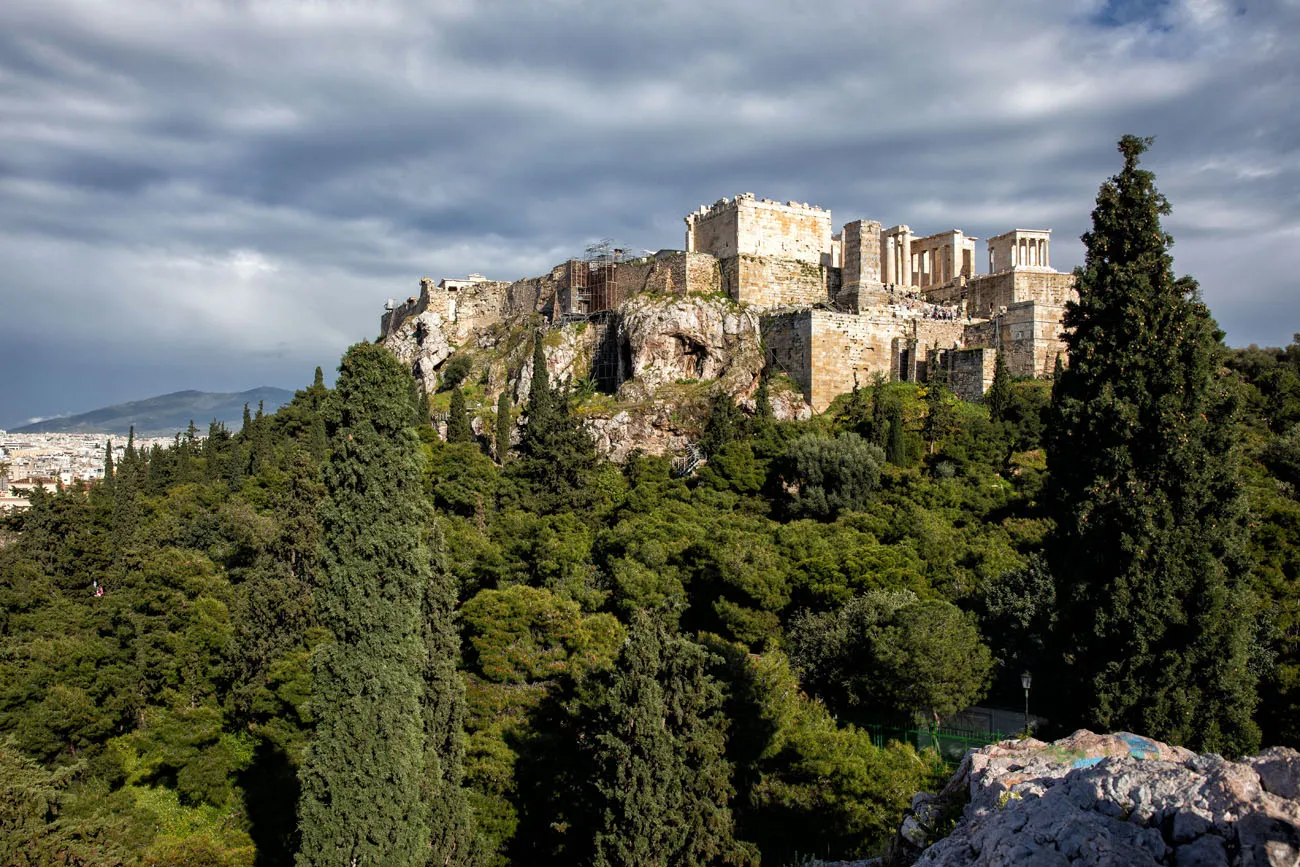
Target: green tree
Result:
[999, 396]
[939, 416]
[655, 746]
[762, 400]
[726, 423]
[556, 454]
[381, 782]
[458, 429]
[887, 650]
[880, 409]
[1148, 548]
[895, 449]
[828, 476]
[505, 426]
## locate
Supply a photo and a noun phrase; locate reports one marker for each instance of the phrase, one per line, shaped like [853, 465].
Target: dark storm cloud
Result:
[241, 184]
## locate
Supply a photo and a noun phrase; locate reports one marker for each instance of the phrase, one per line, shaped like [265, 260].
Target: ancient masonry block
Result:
[761, 227]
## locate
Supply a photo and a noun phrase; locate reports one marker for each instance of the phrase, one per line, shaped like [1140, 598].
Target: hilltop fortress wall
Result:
[835, 308]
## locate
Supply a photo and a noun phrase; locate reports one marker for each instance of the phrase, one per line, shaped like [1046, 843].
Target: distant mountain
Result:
[166, 414]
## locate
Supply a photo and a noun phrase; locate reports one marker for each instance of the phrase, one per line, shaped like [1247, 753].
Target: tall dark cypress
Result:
[381, 781]
[126, 490]
[504, 426]
[895, 452]
[1148, 549]
[999, 396]
[656, 746]
[108, 465]
[458, 428]
[879, 411]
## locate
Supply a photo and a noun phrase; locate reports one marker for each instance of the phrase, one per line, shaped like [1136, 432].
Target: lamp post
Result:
[1026, 680]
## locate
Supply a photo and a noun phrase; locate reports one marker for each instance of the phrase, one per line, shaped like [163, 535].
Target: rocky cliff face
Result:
[671, 351]
[1117, 799]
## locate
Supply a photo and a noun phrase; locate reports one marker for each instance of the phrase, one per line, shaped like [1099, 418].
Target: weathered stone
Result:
[1110, 799]
[1279, 771]
[669, 339]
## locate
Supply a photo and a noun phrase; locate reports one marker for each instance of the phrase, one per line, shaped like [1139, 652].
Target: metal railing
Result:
[951, 743]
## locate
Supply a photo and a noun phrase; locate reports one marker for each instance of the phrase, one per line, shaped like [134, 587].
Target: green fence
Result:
[952, 743]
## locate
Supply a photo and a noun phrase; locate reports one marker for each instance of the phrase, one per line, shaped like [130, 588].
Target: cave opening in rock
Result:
[694, 354]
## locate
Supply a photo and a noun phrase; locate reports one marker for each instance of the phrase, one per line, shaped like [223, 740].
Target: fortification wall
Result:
[1030, 333]
[761, 227]
[826, 352]
[670, 272]
[970, 371]
[989, 292]
[769, 283]
[861, 240]
[714, 230]
[789, 231]
[536, 294]
[474, 307]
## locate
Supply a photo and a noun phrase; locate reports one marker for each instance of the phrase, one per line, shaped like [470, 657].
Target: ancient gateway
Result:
[834, 308]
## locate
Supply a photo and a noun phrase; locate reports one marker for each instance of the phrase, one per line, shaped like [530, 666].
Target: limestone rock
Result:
[673, 338]
[652, 432]
[421, 342]
[1094, 799]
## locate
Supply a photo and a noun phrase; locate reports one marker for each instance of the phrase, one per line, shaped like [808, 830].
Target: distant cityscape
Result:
[28, 461]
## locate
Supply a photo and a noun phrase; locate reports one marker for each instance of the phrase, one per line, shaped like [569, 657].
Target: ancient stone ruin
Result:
[833, 309]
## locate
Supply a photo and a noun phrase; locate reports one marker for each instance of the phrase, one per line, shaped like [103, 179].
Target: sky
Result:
[220, 194]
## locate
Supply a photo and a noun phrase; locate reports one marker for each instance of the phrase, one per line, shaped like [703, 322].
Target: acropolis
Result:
[835, 308]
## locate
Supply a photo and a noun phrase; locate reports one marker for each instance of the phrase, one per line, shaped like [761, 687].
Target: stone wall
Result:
[1031, 337]
[827, 352]
[770, 283]
[461, 311]
[761, 227]
[969, 371]
[1030, 333]
[669, 272]
[537, 294]
[714, 230]
[986, 294]
[861, 240]
[783, 231]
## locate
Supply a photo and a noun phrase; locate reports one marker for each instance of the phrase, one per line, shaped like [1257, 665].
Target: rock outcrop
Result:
[671, 352]
[1118, 799]
[421, 342]
[673, 338]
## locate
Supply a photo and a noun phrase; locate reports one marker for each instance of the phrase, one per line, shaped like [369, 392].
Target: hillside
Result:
[166, 414]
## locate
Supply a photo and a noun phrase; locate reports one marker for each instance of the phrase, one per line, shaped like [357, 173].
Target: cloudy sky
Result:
[220, 194]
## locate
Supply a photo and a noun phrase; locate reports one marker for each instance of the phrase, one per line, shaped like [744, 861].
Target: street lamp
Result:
[1026, 680]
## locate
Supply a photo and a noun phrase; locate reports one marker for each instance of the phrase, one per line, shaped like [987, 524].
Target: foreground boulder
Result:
[1118, 799]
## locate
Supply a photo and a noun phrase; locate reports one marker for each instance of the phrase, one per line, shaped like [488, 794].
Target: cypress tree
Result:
[896, 454]
[381, 780]
[108, 465]
[998, 399]
[879, 411]
[655, 744]
[938, 413]
[1148, 553]
[557, 454]
[762, 400]
[504, 426]
[458, 428]
[126, 489]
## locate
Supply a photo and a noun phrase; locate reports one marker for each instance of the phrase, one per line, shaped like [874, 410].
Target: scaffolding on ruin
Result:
[593, 279]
